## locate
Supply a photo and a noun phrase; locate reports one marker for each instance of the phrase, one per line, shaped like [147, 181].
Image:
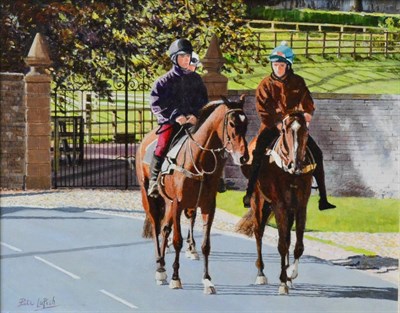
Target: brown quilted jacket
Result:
[277, 98]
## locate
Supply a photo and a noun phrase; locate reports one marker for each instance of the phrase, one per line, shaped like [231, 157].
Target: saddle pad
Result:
[173, 152]
[171, 155]
[148, 156]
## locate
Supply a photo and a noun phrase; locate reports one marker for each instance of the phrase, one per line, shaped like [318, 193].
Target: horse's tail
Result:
[246, 224]
[147, 228]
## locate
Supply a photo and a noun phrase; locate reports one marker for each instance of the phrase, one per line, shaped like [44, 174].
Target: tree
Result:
[358, 7]
[94, 40]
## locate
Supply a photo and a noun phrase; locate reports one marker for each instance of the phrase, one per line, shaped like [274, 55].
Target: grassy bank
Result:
[345, 75]
[351, 215]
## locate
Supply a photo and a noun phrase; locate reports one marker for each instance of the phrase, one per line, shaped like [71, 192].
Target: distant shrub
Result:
[329, 17]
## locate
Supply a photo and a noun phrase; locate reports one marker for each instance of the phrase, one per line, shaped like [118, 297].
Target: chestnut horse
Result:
[220, 130]
[283, 189]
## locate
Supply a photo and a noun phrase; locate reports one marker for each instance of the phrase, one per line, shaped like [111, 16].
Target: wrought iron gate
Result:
[95, 135]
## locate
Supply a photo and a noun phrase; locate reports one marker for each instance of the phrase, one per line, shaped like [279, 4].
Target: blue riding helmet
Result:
[282, 53]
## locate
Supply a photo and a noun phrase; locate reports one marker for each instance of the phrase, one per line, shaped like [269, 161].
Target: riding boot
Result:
[255, 167]
[319, 176]
[265, 138]
[155, 168]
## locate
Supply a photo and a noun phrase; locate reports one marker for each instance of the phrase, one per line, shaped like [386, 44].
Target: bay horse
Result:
[282, 190]
[220, 130]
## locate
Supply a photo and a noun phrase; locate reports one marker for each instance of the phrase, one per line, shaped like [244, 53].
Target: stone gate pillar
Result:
[38, 89]
[216, 83]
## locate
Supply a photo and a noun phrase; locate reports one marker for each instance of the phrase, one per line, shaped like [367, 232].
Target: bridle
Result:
[295, 126]
[226, 142]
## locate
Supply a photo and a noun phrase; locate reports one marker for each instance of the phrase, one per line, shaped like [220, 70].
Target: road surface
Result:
[76, 260]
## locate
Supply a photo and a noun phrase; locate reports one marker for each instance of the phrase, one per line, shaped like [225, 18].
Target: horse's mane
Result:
[210, 107]
[205, 112]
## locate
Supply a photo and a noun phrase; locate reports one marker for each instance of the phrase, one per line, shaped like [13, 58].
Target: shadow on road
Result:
[304, 290]
[10, 210]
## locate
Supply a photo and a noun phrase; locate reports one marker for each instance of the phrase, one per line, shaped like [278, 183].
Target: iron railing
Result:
[95, 134]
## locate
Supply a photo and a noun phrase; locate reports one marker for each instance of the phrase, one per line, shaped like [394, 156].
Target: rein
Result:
[279, 159]
[213, 151]
[199, 175]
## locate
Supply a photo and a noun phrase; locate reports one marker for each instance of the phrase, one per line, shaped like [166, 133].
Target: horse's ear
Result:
[242, 97]
[225, 99]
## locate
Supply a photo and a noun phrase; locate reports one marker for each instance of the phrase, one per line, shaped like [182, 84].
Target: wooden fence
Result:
[301, 26]
[324, 39]
[329, 43]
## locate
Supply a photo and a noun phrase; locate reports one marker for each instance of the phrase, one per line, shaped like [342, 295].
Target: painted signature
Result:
[39, 304]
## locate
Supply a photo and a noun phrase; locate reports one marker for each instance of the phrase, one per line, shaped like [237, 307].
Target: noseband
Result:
[274, 152]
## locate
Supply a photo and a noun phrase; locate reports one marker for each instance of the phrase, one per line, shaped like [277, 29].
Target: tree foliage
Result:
[95, 40]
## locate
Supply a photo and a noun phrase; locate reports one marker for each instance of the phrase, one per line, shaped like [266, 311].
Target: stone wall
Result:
[359, 136]
[13, 131]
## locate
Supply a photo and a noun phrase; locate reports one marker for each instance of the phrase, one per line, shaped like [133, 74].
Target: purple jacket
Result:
[178, 92]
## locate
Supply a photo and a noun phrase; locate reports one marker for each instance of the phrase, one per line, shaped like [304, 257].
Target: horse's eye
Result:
[231, 124]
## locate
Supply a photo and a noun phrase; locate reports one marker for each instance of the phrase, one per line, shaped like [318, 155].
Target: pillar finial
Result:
[216, 83]
[38, 57]
[213, 59]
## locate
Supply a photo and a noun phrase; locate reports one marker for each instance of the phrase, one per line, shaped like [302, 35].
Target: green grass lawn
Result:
[344, 75]
[351, 215]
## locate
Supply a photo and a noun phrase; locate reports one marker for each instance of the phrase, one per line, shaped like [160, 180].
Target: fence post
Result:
[306, 44]
[291, 39]
[38, 142]
[216, 83]
[355, 45]
[339, 44]
[370, 45]
[386, 43]
[323, 44]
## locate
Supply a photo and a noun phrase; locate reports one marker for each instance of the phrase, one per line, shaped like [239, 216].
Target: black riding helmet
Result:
[179, 46]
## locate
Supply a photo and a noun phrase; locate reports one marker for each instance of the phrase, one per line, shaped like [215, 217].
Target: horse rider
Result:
[175, 99]
[278, 95]
[194, 62]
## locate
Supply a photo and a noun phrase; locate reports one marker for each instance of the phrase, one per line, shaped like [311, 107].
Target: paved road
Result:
[73, 260]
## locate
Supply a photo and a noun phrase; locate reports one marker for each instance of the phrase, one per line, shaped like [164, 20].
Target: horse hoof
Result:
[194, 256]
[290, 284]
[209, 288]
[161, 278]
[292, 272]
[175, 284]
[261, 280]
[283, 289]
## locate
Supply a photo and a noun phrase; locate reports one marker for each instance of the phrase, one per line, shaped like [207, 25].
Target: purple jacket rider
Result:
[178, 92]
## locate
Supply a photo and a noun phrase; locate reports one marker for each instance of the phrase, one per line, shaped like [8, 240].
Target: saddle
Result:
[170, 158]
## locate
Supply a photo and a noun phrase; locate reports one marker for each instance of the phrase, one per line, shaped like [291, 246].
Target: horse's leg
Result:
[262, 210]
[191, 251]
[177, 241]
[209, 287]
[288, 237]
[282, 222]
[293, 270]
[154, 213]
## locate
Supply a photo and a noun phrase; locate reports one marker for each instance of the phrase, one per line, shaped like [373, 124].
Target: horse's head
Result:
[295, 136]
[234, 131]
